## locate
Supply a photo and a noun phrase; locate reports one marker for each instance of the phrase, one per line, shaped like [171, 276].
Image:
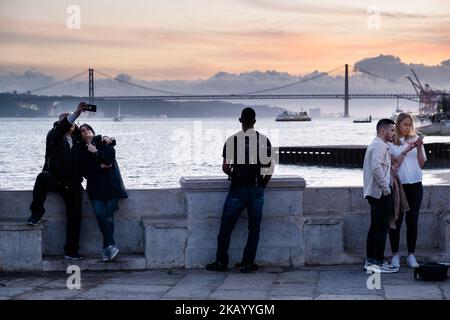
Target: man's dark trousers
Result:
[72, 199]
[239, 198]
[380, 210]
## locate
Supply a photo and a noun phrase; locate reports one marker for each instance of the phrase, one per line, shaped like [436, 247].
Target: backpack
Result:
[432, 271]
[246, 173]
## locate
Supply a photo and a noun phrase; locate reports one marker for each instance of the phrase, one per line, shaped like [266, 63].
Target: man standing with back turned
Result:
[247, 160]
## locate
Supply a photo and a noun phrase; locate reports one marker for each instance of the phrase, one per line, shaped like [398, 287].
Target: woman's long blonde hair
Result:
[412, 133]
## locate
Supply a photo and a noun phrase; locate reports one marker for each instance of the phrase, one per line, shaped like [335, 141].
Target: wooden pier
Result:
[438, 155]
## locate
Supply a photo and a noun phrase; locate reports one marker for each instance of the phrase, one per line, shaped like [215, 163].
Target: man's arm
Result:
[226, 164]
[421, 155]
[266, 180]
[58, 132]
[226, 167]
[377, 171]
[65, 124]
[268, 168]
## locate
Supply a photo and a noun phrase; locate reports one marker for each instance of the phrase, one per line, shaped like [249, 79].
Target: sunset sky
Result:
[191, 39]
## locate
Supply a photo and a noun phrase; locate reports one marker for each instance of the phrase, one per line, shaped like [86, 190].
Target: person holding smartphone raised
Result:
[61, 174]
[409, 157]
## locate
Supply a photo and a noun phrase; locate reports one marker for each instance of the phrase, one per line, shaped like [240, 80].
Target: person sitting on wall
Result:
[104, 185]
[61, 173]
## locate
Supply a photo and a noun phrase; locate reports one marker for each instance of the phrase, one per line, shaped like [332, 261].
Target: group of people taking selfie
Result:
[71, 154]
[392, 177]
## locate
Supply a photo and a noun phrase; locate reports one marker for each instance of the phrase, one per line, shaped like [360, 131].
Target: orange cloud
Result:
[164, 53]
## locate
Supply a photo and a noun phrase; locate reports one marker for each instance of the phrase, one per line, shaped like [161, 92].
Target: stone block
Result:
[320, 200]
[324, 239]
[444, 234]
[165, 242]
[20, 246]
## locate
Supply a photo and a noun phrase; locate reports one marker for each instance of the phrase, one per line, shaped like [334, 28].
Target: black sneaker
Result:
[216, 266]
[73, 256]
[33, 221]
[247, 268]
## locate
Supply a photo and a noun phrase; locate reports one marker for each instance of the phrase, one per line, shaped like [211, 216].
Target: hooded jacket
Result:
[102, 184]
[62, 161]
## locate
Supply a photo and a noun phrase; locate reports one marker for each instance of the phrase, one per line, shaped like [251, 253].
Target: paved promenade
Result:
[321, 283]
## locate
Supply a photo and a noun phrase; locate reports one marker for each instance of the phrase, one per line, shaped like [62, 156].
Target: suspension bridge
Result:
[365, 85]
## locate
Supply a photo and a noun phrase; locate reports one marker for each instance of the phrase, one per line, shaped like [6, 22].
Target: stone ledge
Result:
[214, 183]
[17, 225]
[123, 262]
[312, 219]
[422, 255]
[165, 222]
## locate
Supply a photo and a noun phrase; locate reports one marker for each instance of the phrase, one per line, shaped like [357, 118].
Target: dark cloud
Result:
[124, 77]
[384, 66]
[393, 68]
[21, 82]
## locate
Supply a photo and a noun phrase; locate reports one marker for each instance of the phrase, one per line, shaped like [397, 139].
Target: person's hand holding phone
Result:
[91, 107]
[82, 106]
[419, 142]
[411, 145]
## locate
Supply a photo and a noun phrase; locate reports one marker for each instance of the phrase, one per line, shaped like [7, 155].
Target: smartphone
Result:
[91, 107]
[420, 137]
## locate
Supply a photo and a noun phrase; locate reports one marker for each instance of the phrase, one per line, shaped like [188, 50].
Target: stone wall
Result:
[178, 227]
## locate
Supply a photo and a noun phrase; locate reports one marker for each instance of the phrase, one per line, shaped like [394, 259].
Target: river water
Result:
[155, 153]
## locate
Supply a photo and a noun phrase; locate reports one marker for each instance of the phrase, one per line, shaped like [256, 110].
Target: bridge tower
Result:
[346, 98]
[91, 86]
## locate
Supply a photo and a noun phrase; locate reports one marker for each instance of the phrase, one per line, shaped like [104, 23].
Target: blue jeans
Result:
[239, 198]
[104, 212]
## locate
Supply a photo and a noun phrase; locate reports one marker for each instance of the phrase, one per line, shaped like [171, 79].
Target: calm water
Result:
[155, 153]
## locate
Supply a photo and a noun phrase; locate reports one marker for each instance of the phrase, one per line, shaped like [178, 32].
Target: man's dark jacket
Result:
[61, 161]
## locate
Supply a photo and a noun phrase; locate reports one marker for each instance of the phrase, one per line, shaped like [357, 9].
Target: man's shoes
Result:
[247, 268]
[104, 255]
[112, 252]
[369, 263]
[385, 267]
[412, 262]
[73, 256]
[33, 221]
[216, 266]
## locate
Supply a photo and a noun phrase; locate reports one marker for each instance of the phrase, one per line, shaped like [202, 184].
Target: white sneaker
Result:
[112, 252]
[395, 262]
[412, 262]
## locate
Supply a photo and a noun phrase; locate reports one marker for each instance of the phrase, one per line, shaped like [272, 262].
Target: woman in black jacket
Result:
[104, 184]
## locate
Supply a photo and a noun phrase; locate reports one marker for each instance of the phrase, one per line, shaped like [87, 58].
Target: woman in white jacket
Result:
[409, 157]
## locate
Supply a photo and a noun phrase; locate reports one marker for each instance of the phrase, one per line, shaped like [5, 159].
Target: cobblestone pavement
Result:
[320, 283]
